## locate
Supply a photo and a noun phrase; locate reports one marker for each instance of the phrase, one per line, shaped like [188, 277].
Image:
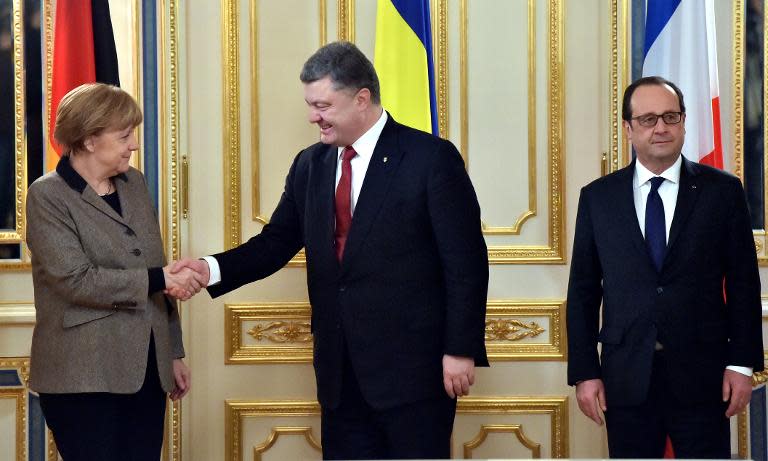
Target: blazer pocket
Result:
[611, 335]
[74, 316]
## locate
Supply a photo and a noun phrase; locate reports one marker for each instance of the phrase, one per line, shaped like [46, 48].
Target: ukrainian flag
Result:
[403, 61]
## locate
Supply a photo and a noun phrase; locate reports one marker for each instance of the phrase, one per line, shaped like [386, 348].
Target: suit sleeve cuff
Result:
[747, 371]
[156, 280]
[213, 270]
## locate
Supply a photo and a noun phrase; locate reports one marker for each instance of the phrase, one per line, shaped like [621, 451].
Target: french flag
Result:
[680, 46]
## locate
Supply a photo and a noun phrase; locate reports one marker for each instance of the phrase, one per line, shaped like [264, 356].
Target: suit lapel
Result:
[628, 212]
[91, 197]
[385, 159]
[687, 194]
[324, 201]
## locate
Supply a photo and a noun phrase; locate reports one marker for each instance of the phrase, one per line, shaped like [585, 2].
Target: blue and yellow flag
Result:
[403, 61]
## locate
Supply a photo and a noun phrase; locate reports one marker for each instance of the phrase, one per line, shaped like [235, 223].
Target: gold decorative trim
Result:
[738, 115]
[532, 179]
[555, 407]
[618, 156]
[742, 430]
[231, 138]
[516, 429]
[237, 410]
[323, 26]
[20, 147]
[440, 55]
[282, 332]
[554, 251]
[170, 176]
[278, 431]
[464, 79]
[21, 419]
[346, 24]
[291, 344]
[21, 365]
[255, 135]
[504, 330]
[738, 88]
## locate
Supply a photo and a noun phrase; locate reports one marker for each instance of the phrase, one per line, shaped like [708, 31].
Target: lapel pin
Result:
[693, 186]
[385, 159]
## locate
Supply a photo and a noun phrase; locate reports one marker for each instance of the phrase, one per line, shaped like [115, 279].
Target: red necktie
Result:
[343, 201]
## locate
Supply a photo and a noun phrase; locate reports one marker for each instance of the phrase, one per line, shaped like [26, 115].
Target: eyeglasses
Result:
[649, 120]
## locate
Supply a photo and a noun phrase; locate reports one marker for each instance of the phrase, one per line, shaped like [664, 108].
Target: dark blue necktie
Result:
[655, 227]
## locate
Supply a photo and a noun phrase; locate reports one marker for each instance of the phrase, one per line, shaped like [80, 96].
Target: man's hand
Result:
[185, 278]
[737, 388]
[182, 379]
[458, 375]
[591, 397]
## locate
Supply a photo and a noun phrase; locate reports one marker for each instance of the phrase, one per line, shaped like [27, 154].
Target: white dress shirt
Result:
[641, 186]
[364, 147]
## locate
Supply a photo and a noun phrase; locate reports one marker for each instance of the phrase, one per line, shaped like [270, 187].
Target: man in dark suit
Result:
[665, 245]
[397, 267]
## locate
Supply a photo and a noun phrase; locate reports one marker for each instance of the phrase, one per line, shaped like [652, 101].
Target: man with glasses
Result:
[666, 247]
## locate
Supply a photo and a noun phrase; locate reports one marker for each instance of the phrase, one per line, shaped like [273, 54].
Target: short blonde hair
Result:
[90, 109]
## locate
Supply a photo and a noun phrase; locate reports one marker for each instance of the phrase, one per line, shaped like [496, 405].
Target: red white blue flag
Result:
[680, 46]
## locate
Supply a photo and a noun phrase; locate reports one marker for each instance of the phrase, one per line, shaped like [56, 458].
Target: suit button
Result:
[136, 252]
[129, 232]
[343, 288]
[659, 290]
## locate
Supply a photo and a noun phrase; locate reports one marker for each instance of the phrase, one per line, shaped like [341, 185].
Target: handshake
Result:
[185, 278]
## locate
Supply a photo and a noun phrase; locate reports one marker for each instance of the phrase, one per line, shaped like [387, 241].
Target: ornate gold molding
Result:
[510, 338]
[231, 135]
[555, 407]
[738, 88]
[532, 178]
[440, 55]
[323, 26]
[170, 174]
[554, 251]
[346, 15]
[21, 365]
[516, 429]
[280, 332]
[280, 329]
[620, 51]
[237, 410]
[278, 431]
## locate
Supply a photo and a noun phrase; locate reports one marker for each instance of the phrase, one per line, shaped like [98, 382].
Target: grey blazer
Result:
[89, 270]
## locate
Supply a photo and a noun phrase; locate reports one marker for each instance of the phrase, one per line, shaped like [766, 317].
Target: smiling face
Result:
[657, 146]
[340, 114]
[110, 151]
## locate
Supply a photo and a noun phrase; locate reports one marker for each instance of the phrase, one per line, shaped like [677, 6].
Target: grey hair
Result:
[347, 67]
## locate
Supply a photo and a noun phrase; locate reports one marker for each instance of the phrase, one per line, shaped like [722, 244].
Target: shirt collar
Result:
[672, 174]
[367, 142]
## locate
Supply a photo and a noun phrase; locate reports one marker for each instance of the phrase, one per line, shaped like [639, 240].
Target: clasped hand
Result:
[185, 278]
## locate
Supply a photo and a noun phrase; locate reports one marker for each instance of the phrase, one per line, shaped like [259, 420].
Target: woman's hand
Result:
[182, 378]
[182, 284]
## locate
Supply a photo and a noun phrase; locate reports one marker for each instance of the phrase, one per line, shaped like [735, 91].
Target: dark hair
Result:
[347, 67]
[626, 107]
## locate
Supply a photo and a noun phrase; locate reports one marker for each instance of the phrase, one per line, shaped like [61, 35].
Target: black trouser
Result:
[100, 426]
[355, 430]
[696, 430]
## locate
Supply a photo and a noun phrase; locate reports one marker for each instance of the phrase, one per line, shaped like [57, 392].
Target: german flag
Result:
[83, 52]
